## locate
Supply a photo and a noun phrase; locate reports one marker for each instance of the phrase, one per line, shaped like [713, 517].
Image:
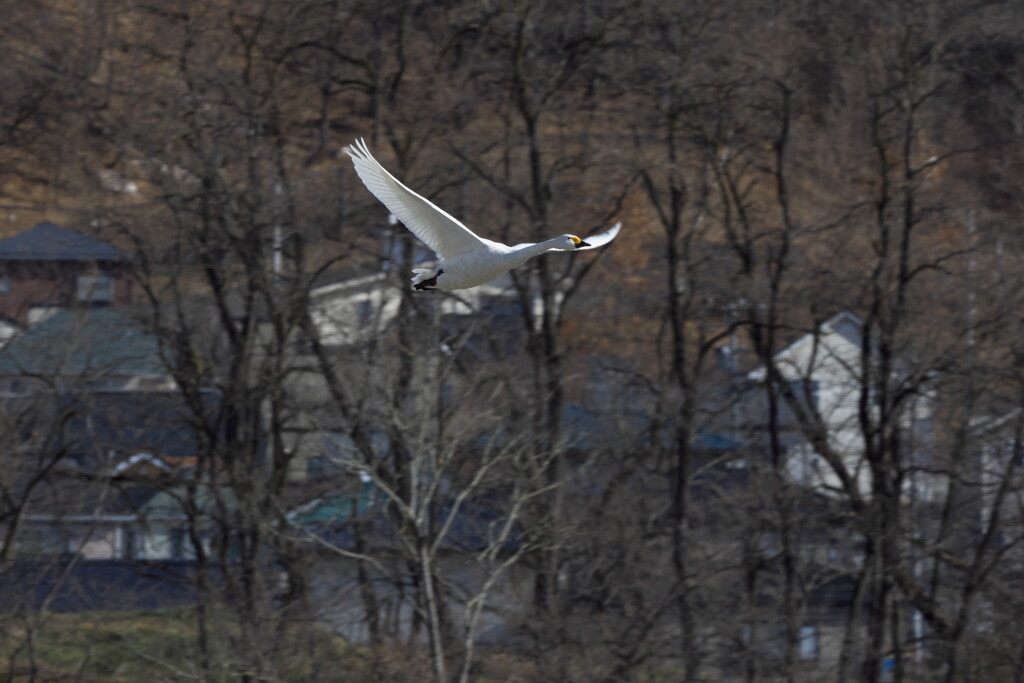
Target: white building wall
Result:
[104, 542]
[832, 360]
[154, 543]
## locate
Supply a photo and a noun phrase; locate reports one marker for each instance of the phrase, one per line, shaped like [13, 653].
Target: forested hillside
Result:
[772, 432]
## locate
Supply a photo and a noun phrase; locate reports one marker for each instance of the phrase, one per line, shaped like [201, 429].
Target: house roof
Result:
[845, 325]
[98, 342]
[335, 507]
[127, 435]
[140, 462]
[50, 242]
[716, 441]
[160, 424]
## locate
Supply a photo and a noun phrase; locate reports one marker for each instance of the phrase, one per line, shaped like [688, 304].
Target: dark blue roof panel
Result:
[50, 242]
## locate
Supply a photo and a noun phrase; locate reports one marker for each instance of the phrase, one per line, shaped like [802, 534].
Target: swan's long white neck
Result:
[529, 249]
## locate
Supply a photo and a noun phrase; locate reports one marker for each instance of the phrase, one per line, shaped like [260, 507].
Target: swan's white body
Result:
[465, 260]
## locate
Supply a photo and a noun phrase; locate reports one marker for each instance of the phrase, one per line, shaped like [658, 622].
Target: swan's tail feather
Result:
[425, 278]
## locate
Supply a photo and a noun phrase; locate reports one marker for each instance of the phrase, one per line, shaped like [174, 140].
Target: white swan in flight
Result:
[466, 260]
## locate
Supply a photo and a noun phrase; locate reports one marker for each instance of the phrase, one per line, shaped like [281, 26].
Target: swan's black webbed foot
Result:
[428, 284]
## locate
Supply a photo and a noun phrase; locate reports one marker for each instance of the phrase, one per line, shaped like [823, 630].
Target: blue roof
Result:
[714, 441]
[50, 242]
[96, 341]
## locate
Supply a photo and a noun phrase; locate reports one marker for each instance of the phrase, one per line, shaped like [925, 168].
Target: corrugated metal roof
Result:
[50, 242]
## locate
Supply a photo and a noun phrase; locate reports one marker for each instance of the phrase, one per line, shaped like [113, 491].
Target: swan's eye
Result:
[575, 239]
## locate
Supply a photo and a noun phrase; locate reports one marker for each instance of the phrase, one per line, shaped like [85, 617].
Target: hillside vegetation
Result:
[605, 472]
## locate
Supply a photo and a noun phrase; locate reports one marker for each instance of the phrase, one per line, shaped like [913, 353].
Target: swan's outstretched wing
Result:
[436, 228]
[601, 239]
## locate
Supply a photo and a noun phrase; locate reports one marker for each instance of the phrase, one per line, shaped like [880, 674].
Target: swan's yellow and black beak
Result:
[578, 242]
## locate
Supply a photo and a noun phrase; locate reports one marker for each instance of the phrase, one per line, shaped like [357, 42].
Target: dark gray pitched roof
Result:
[50, 242]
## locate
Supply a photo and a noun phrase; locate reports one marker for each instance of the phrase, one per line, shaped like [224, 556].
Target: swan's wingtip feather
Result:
[357, 149]
[603, 238]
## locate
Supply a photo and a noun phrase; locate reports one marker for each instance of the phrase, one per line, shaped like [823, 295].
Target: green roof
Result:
[93, 342]
[336, 507]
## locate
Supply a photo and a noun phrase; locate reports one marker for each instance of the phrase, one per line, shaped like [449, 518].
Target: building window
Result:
[810, 643]
[365, 312]
[725, 358]
[316, 466]
[181, 544]
[130, 548]
[5, 284]
[96, 289]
